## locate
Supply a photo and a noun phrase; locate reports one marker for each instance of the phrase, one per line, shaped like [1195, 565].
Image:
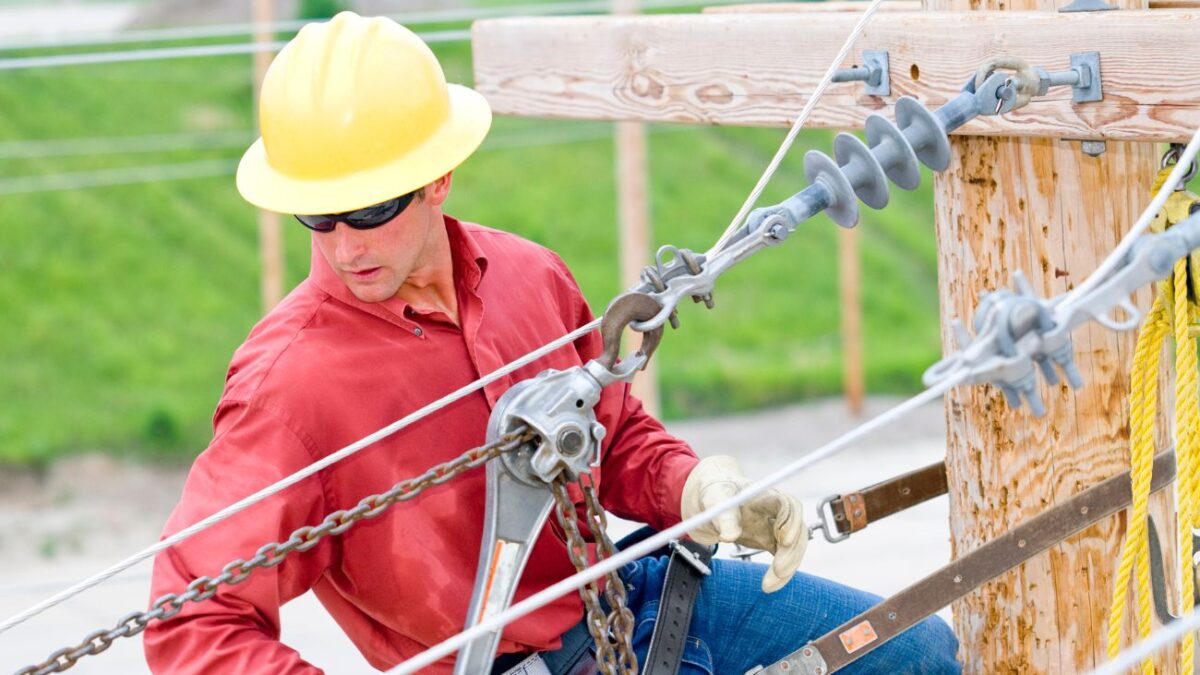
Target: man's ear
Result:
[437, 191]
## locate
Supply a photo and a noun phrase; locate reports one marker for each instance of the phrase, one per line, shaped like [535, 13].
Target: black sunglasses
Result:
[359, 219]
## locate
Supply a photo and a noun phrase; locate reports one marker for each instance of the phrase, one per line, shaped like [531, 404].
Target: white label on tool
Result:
[534, 665]
[501, 577]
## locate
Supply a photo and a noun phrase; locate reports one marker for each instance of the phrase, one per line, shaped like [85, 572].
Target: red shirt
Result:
[323, 370]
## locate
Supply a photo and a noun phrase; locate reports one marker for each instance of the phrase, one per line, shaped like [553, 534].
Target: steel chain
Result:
[613, 633]
[621, 619]
[272, 554]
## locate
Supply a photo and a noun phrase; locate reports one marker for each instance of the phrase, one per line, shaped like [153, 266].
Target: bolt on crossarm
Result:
[893, 151]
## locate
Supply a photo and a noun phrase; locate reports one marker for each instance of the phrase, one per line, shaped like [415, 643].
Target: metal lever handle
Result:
[507, 543]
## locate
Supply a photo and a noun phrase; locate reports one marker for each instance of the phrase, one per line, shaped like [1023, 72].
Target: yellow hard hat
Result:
[355, 111]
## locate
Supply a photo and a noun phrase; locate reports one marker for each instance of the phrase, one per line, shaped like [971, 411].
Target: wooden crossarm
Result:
[757, 69]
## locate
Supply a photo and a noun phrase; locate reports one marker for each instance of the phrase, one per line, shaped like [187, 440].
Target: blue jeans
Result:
[735, 626]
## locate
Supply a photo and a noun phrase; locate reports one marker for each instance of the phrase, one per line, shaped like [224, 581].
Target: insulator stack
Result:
[893, 153]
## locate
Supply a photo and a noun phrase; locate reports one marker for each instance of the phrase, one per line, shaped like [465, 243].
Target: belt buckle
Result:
[679, 549]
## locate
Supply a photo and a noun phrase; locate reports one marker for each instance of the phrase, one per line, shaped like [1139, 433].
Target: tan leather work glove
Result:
[771, 521]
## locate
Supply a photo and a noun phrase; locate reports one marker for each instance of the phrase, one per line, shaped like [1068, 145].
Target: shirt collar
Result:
[470, 264]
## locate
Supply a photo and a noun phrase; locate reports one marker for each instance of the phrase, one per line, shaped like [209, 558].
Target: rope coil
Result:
[1173, 315]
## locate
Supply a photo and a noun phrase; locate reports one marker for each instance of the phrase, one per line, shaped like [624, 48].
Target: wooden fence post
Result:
[270, 236]
[633, 221]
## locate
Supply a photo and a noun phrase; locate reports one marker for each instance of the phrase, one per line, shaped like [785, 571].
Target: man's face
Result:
[375, 263]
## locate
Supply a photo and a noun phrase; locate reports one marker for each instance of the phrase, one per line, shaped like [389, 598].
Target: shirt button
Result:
[418, 332]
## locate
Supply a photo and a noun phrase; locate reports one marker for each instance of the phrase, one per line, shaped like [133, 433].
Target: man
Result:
[404, 304]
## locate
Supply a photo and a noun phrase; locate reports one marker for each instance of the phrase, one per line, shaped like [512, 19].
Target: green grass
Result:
[121, 305]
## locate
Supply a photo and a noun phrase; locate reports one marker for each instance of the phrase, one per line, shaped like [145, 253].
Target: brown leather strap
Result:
[872, 628]
[854, 511]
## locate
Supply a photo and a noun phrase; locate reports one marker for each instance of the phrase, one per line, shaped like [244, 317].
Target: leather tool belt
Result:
[867, 631]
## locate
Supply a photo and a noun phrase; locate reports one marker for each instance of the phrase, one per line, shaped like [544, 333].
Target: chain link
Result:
[613, 633]
[272, 554]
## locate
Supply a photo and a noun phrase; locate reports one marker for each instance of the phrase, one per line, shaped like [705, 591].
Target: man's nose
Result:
[348, 243]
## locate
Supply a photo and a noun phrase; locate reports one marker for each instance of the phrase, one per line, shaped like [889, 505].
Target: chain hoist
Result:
[272, 554]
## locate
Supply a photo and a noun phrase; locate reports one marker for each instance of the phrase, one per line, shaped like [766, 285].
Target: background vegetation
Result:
[120, 305]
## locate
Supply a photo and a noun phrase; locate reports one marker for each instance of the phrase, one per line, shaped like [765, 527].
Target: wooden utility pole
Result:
[1044, 207]
[633, 220]
[270, 236]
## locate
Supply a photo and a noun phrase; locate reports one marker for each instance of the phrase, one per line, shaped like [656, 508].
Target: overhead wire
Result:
[195, 51]
[112, 145]
[349, 450]
[809, 106]
[296, 477]
[1165, 636]
[954, 378]
[290, 25]
[222, 167]
[649, 545]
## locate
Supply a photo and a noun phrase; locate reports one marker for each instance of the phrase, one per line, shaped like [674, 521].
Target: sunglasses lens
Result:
[377, 214]
[360, 219]
[317, 223]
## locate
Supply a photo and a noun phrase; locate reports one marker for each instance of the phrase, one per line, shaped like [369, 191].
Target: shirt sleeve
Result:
[237, 631]
[643, 467]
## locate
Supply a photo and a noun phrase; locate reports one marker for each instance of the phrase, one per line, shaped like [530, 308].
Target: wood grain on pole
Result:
[633, 221]
[751, 69]
[270, 235]
[1041, 206]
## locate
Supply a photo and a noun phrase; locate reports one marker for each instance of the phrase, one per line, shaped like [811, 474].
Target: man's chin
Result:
[370, 293]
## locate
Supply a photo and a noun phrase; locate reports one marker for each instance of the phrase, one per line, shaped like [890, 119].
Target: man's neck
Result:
[431, 287]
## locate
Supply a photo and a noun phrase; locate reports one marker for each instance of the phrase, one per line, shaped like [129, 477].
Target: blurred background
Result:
[130, 271]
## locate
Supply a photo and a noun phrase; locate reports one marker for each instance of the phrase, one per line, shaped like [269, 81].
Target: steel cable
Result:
[300, 475]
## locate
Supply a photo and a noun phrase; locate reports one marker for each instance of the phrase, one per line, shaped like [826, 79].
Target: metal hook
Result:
[1170, 157]
[623, 311]
[1158, 582]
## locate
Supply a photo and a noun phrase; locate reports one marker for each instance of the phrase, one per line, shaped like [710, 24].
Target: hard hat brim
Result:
[465, 128]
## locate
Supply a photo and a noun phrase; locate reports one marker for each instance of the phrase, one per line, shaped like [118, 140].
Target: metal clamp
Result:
[1014, 331]
[826, 525]
[874, 73]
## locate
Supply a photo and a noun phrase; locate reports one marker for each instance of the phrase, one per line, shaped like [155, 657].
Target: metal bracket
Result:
[806, 661]
[690, 558]
[874, 73]
[1088, 6]
[1084, 78]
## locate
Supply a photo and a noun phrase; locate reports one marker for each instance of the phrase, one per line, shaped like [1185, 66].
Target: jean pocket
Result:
[696, 660]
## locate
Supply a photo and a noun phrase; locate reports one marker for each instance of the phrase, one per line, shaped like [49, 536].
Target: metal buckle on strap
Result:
[825, 525]
[690, 558]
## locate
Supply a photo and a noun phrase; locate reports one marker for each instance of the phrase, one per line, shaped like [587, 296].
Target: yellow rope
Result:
[1143, 405]
[1187, 417]
[1173, 314]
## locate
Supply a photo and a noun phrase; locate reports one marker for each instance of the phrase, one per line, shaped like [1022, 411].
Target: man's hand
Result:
[772, 521]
